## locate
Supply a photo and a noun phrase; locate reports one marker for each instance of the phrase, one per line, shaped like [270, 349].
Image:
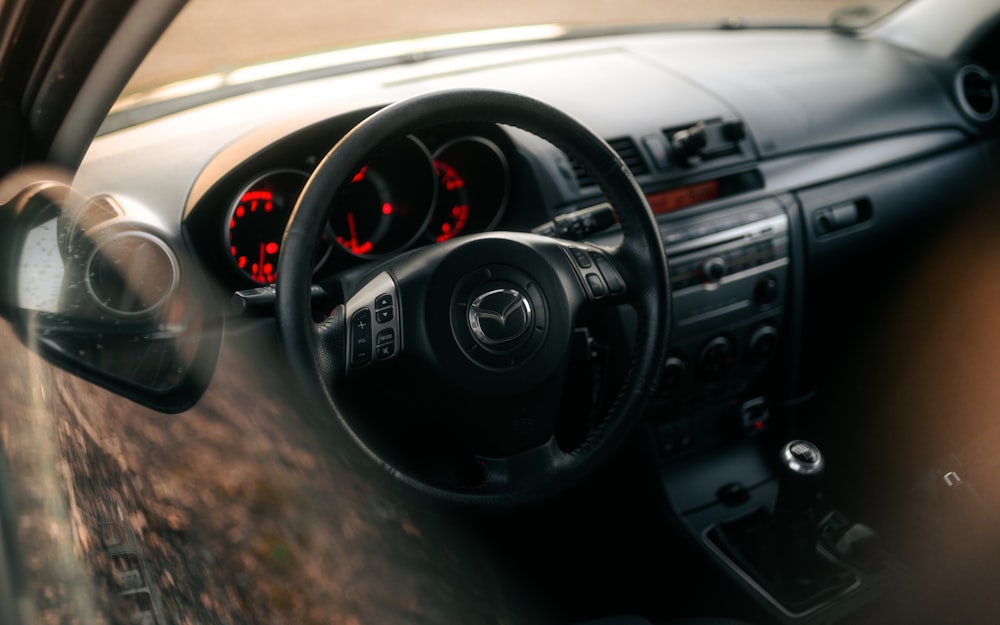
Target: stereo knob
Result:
[716, 357]
[714, 268]
[766, 291]
[762, 343]
[673, 372]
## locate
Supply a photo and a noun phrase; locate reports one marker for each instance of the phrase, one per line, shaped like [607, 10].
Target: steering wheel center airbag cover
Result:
[499, 316]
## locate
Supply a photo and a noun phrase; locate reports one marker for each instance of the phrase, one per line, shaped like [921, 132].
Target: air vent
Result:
[132, 273]
[977, 93]
[627, 149]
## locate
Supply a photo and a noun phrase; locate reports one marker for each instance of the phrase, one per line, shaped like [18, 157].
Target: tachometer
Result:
[387, 203]
[257, 222]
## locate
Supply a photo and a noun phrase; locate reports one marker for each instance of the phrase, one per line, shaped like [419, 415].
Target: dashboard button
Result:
[766, 291]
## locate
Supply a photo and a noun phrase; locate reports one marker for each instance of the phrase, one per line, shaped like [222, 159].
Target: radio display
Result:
[671, 200]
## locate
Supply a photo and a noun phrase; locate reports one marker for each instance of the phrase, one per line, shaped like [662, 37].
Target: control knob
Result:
[716, 357]
[713, 268]
[674, 370]
[762, 343]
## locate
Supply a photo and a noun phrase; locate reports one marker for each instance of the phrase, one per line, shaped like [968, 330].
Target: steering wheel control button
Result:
[383, 308]
[599, 276]
[611, 276]
[581, 257]
[596, 285]
[374, 331]
[385, 344]
[361, 337]
[499, 316]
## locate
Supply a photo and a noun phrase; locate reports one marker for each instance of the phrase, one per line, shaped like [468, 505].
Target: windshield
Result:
[213, 37]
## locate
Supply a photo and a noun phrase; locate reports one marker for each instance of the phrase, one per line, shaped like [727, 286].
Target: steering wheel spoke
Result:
[520, 470]
[598, 274]
[373, 324]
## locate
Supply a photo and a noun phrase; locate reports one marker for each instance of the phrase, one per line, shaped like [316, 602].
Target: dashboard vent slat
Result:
[626, 148]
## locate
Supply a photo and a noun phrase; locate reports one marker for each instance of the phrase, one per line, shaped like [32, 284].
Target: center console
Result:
[753, 501]
[731, 279]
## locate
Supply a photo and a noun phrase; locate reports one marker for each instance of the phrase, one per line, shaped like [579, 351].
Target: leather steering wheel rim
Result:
[317, 350]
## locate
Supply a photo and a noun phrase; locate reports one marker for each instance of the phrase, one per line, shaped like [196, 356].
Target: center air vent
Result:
[977, 93]
[627, 149]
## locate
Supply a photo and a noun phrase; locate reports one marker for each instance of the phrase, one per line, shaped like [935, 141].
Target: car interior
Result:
[614, 326]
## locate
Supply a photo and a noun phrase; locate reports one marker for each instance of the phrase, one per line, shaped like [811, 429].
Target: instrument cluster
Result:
[407, 195]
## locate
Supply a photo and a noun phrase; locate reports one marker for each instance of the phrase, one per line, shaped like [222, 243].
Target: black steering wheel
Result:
[488, 317]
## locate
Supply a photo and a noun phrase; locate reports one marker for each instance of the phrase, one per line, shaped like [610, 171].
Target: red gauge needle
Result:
[353, 231]
[260, 267]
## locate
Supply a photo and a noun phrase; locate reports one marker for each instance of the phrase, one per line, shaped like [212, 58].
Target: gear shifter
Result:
[779, 546]
[803, 467]
[795, 521]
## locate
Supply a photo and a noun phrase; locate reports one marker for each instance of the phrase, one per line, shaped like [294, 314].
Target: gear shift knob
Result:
[802, 458]
[802, 469]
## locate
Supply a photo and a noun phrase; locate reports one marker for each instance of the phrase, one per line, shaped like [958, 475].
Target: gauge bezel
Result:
[421, 227]
[501, 159]
[237, 200]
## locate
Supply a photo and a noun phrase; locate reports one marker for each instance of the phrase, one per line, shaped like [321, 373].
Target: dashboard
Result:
[694, 137]
[775, 188]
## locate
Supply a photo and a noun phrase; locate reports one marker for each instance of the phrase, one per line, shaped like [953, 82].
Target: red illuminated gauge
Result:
[452, 215]
[387, 203]
[257, 222]
[472, 188]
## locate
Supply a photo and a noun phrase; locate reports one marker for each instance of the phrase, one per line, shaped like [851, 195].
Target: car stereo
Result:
[730, 277]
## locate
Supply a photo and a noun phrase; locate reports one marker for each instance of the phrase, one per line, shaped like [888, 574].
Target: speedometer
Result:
[257, 222]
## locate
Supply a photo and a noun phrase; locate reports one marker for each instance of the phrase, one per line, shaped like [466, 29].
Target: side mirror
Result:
[106, 298]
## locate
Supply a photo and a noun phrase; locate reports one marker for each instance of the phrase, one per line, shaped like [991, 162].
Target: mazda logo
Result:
[499, 316]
